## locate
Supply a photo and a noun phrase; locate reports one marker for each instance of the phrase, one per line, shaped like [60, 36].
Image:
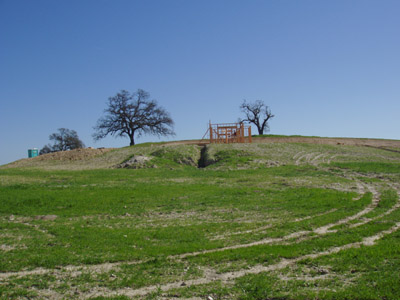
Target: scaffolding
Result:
[227, 133]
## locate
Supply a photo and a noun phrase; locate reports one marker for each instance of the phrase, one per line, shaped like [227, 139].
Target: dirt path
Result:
[321, 230]
[71, 270]
[377, 143]
[104, 267]
[390, 210]
[211, 276]
[369, 208]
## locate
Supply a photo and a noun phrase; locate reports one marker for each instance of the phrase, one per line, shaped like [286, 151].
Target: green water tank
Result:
[33, 152]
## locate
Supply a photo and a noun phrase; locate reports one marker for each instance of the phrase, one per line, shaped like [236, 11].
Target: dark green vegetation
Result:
[259, 221]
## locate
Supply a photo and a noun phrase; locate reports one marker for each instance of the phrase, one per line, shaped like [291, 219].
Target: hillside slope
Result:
[280, 220]
[268, 151]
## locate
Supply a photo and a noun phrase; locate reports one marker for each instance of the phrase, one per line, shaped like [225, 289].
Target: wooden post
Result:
[211, 133]
[249, 134]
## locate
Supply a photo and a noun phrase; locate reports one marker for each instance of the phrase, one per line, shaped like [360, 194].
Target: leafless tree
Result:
[133, 114]
[64, 139]
[257, 113]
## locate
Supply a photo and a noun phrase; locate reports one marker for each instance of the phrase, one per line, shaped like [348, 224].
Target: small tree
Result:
[46, 149]
[64, 139]
[133, 114]
[257, 113]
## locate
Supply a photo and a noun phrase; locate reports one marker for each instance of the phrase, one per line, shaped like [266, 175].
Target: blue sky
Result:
[326, 68]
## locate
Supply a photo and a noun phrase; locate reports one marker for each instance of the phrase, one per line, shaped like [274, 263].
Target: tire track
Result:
[230, 276]
[209, 274]
[314, 158]
[300, 234]
[390, 210]
[104, 267]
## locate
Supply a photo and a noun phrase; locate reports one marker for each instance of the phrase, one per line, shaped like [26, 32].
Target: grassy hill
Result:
[281, 220]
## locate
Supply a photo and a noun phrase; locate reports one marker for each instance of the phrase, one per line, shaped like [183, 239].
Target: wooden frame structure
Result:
[227, 133]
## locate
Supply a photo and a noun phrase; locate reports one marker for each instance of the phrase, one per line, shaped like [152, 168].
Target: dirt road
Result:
[380, 143]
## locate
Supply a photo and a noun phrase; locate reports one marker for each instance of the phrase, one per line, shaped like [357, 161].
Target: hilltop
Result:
[186, 153]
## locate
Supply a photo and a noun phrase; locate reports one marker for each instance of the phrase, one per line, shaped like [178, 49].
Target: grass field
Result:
[248, 221]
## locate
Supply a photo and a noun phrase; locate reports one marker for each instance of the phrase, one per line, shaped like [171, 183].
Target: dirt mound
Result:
[379, 143]
[65, 156]
[77, 154]
[136, 162]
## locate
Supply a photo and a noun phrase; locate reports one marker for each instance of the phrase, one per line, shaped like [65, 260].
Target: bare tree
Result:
[46, 149]
[257, 113]
[64, 139]
[133, 114]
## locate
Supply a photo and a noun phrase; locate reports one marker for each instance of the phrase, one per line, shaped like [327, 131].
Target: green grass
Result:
[371, 167]
[143, 220]
[84, 205]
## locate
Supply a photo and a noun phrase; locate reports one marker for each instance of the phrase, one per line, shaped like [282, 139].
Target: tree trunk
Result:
[260, 130]
[132, 138]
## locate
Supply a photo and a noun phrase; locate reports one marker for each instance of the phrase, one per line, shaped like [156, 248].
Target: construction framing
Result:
[227, 133]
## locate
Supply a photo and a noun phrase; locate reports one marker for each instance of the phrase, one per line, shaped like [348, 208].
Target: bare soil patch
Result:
[62, 156]
[77, 154]
[310, 140]
[331, 141]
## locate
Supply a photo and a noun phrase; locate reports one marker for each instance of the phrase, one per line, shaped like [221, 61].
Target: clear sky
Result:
[325, 68]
